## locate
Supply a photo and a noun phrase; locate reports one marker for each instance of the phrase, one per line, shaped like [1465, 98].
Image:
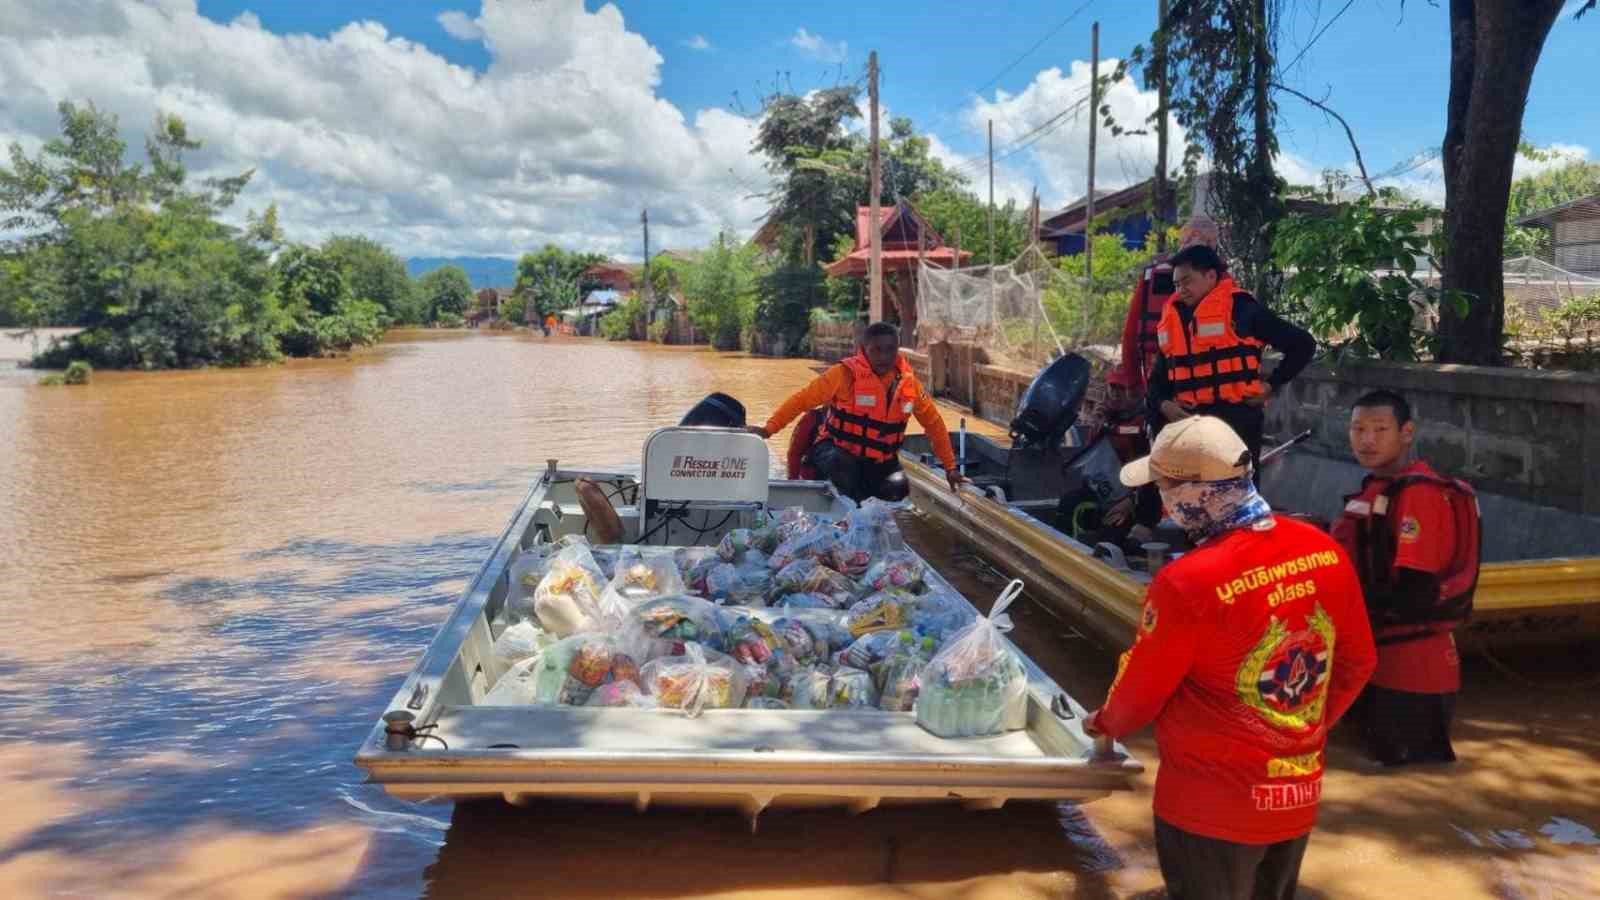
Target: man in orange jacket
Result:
[1250, 647]
[870, 396]
[1151, 293]
[1210, 341]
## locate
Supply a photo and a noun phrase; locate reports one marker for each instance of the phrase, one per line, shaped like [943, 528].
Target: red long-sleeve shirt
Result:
[1250, 648]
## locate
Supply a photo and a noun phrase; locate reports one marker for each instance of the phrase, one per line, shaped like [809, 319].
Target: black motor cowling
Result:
[1050, 404]
[717, 410]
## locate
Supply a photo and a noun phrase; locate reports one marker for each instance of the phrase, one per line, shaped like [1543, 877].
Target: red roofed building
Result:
[907, 241]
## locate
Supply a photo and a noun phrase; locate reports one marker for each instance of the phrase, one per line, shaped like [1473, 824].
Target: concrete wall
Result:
[1527, 434]
[998, 391]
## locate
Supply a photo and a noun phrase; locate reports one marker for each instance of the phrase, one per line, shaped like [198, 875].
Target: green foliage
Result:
[324, 316]
[78, 372]
[1092, 311]
[515, 309]
[658, 330]
[445, 290]
[622, 322]
[947, 208]
[551, 279]
[785, 298]
[1552, 187]
[1354, 278]
[54, 379]
[449, 319]
[374, 273]
[721, 291]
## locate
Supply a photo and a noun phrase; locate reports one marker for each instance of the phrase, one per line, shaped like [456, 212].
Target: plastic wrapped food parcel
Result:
[802, 613]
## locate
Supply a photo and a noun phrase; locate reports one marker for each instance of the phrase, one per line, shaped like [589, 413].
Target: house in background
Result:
[907, 242]
[621, 277]
[1124, 212]
[1574, 235]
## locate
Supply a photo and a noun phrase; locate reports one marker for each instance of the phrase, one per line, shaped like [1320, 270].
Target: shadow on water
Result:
[258, 736]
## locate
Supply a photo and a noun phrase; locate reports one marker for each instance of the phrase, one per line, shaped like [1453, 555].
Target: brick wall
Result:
[1529, 434]
[998, 390]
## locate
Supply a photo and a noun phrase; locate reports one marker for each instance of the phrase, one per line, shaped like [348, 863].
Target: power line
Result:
[1318, 36]
[1041, 42]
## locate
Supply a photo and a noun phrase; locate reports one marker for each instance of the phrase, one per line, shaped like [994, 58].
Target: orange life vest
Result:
[1208, 362]
[870, 420]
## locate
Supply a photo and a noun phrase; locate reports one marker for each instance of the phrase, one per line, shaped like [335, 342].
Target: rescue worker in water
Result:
[1249, 648]
[870, 397]
[1414, 536]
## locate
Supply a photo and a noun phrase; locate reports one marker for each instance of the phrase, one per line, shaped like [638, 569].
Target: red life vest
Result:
[870, 421]
[1154, 290]
[1207, 361]
[1128, 438]
[1367, 531]
[800, 443]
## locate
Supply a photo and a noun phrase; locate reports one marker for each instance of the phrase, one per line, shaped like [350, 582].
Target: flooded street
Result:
[212, 581]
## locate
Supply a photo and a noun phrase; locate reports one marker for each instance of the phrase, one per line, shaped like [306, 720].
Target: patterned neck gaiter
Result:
[1205, 509]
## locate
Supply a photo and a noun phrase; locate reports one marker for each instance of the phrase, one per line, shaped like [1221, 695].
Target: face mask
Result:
[1207, 508]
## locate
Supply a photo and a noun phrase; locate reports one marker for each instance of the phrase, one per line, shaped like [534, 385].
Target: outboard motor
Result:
[1050, 404]
[717, 410]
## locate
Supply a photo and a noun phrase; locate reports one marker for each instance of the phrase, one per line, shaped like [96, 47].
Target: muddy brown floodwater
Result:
[211, 582]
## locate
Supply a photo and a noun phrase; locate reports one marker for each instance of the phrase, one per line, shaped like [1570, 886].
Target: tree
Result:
[325, 316]
[445, 290]
[1494, 47]
[551, 279]
[374, 273]
[1574, 180]
[948, 207]
[133, 253]
[721, 291]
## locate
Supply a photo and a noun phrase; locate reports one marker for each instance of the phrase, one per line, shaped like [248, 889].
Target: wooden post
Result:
[991, 192]
[644, 219]
[908, 315]
[1161, 207]
[875, 255]
[1094, 120]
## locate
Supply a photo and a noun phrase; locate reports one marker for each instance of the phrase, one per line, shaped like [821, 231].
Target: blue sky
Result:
[481, 127]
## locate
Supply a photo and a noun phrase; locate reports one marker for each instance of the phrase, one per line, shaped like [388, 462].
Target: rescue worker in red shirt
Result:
[1250, 647]
[1414, 537]
[1210, 340]
[1150, 295]
[870, 397]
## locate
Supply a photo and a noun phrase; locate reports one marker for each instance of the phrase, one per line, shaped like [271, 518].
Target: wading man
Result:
[1250, 647]
[1413, 535]
[870, 397]
[1209, 346]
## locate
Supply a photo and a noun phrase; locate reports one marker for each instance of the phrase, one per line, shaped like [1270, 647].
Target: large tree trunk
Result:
[1494, 46]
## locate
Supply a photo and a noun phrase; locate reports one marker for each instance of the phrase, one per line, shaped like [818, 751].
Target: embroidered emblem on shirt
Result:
[1410, 530]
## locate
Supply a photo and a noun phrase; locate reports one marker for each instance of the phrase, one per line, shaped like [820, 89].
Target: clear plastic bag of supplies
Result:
[811, 636]
[568, 597]
[869, 533]
[638, 577]
[744, 584]
[869, 649]
[885, 610]
[976, 684]
[527, 570]
[792, 522]
[939, 614]
[736, 543]
[808, 687]
[621, 695]
[666, 625]
[818, 543]
[700, 679]
[851, 689]
[811, 576]
[895, 569]
[751, 640]
[521, 640]
[897, 674]
[764, 681]
[565, 672]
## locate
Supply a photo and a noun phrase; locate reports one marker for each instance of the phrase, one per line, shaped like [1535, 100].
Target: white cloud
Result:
[460, 26]
[815, 45]
[562, 139]
[1059, 151]
[698, 42]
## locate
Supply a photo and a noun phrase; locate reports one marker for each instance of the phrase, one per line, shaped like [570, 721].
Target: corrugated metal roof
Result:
[1581, 208]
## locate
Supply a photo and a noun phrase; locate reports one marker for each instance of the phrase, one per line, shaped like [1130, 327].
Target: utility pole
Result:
[649, 295]
[1094, 121]
[991, 192]
[957, 263]
[875, 257]
[1161, 204]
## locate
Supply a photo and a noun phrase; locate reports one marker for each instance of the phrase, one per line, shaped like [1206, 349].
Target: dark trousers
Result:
[855, 477]
[1203, 868]
[1402, 727]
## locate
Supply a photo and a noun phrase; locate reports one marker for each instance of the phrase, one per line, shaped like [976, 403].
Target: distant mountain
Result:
[482, 271]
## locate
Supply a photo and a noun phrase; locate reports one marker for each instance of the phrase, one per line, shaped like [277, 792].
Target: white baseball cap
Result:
[1199, 448]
